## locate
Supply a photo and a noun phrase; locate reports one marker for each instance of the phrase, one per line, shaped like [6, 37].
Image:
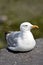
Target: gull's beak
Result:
[35, 26]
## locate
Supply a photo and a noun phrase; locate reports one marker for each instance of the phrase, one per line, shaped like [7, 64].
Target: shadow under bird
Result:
[22, 40]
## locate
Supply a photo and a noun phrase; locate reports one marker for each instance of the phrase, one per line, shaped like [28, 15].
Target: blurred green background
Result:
[14, 12]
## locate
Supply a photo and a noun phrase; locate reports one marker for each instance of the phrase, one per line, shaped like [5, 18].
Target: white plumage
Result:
[22, 40]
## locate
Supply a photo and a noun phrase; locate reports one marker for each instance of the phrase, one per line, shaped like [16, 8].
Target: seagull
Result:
[22, 40]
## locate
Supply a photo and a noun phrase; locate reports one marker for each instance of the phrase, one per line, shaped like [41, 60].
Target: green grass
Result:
[19, 11]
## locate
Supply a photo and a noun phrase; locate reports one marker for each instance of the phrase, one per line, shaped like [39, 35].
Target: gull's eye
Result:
[26, 25]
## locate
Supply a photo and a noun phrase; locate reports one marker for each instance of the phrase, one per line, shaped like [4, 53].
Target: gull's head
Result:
[26, 26]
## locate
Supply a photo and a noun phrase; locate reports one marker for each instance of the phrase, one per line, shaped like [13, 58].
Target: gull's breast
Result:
[27, 42]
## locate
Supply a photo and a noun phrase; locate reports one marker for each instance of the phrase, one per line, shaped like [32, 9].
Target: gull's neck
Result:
[25, 33]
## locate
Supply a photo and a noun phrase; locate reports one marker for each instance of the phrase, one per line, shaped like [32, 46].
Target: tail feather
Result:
[6, 34]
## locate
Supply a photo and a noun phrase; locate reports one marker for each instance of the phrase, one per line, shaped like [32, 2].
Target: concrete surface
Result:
[34, 57]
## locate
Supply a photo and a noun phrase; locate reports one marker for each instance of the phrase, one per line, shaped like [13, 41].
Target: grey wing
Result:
[12, 38]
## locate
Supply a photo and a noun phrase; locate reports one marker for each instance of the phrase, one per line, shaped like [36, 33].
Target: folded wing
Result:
[12, 38]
